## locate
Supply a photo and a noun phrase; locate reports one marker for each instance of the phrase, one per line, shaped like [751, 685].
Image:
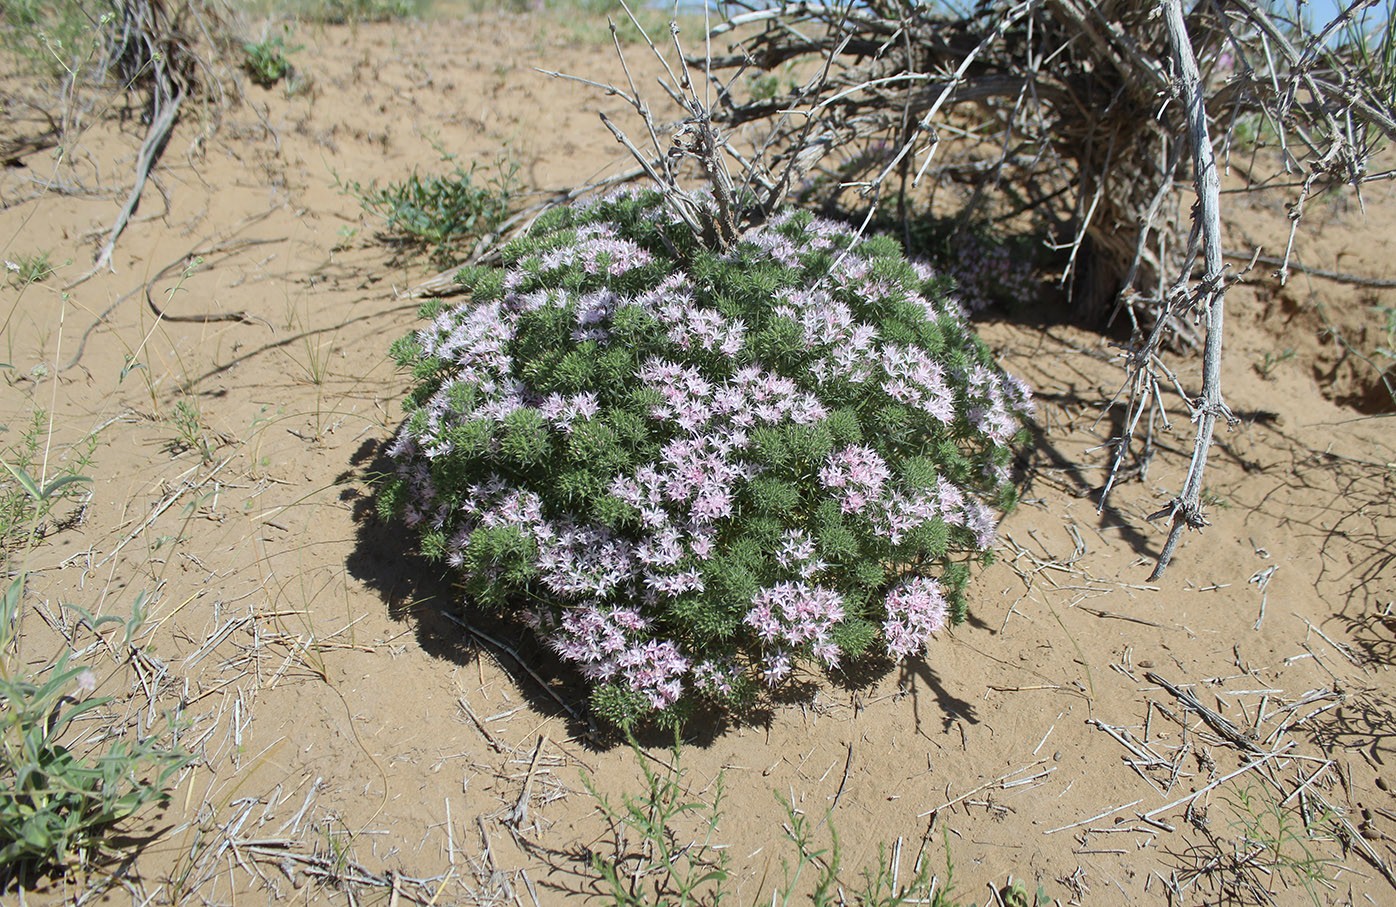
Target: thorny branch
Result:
[1210, 297]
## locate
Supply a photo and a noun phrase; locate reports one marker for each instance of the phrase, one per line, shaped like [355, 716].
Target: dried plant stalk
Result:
[1091, 114]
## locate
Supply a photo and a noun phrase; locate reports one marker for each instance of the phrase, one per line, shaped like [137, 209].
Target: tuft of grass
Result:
[664, 850]
[1266, 366]
[190, 432]
[52, 37]
[266, 61]
[444, 215]
[1282, 844]
[67, 779]
[27, 501]
[63, 789]
[27, 269]
[663, 869]
[348, 12]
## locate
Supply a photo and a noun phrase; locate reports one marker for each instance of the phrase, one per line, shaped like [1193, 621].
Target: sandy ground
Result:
[359, 746]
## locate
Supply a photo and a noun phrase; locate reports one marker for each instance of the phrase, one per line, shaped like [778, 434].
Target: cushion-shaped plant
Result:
[693, 471]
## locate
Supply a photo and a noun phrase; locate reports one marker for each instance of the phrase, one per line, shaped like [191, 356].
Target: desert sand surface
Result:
[358, 744]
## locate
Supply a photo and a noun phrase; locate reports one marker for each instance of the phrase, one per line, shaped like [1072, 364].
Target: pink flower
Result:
[654, 669]
[915, 609]
[797, 614]
[86, 682]
[856, 475]
[776, 669]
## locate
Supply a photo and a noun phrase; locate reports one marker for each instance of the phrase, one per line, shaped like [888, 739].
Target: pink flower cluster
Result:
[691, 326]
[901, 512]
[750, 397]
[915, 609]
[561, 410]
[613, 643]
[581, 560]
[856, 476]
[796, 615]
[798, 555]
[917, 380]
[594, 311]
[477, 345]
[847, 346]
[715, 678]
[598, 248]
[985, 270]
[996, 401]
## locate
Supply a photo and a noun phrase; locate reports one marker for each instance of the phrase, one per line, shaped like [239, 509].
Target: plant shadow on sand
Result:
[386, 560]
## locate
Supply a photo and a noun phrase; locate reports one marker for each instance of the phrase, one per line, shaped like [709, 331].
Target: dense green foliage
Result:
[692, 471]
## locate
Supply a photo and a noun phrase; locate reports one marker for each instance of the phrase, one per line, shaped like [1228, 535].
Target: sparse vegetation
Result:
[665, 848]
[27, 269]
[65, 787]
[31, 486]
[444, 215]
[64, 790]
[1268, 362]
[295, 711]
[1282, 844]
[267, 60]
[55, 37]
[344, 12]
[190, 431]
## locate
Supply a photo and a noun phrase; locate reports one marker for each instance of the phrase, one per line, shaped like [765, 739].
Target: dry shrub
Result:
[1093, 115]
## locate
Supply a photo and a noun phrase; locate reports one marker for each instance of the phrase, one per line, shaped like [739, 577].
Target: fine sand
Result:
[358, 745]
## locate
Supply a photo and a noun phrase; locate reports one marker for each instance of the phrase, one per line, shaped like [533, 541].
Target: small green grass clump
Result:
[663, 848]
[27, 269]
[266, 61]
[68, 775]
[65, 784]
[445, 215]
[693, 471]
[27, 502]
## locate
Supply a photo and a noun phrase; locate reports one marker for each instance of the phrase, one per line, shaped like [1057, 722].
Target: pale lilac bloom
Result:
[916, 608]
[776, 669]
[796, 549]
[654, 669]
[797, 555]
[662, 549]
[672, 585]
[86, 682]
[714, 678]
[915, 379]
[779, 247]
[564, 409]
[597, 249]
[581, 560]
[979, 519]
[590, 635]
[690, 326]
[827, 652]
[606, 643]
[995, 421]
[797, 614]
[900, 513]
[593, 312]
[701, 542]
[951, 501]
[856, 475]
[996, 402]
